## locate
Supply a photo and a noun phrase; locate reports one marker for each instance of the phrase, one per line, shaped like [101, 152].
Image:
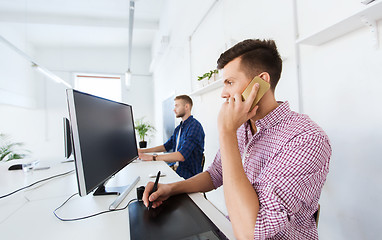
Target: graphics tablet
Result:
[177, 218]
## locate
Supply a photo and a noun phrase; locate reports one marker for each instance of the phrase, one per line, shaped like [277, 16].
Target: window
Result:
[106, 86]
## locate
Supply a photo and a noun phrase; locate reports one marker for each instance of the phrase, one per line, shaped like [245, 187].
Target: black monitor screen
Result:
[103, 138]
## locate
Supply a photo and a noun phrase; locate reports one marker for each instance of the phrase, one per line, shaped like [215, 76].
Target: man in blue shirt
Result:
[188, 148]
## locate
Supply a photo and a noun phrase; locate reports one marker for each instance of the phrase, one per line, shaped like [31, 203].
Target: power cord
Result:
[93, 215]
[40, 181]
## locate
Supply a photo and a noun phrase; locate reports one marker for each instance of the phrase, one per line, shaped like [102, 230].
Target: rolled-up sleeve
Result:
[272, 216]
[215, 171]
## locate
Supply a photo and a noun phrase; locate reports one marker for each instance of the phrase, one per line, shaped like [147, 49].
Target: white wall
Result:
[68, 61]
[340, 89]
[38, 123]
[15, 87]
[22, 115]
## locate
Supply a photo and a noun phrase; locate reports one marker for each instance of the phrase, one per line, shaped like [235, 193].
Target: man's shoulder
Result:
[299, 124]
[194, 121]
[296, 118]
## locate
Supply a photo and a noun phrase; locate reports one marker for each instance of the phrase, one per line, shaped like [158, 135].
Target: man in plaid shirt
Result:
[186, 143]
[272, 161]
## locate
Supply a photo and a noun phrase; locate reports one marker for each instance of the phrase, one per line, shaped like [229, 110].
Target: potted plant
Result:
[208, 77]
[11, 150]
[202, 80]
[212, 75]
[143, 128]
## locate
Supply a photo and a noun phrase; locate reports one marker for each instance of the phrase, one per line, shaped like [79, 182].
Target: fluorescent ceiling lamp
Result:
[50, 75]
[43, 70]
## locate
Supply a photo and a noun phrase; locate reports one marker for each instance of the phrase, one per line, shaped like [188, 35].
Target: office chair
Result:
[317, 215]
[203, 162]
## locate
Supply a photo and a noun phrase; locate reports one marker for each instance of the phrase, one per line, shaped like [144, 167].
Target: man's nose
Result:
[224, 94]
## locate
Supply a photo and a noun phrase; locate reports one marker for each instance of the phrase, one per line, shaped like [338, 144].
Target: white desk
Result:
[29, 214]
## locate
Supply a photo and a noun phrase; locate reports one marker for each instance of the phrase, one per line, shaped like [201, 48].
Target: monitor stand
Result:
[102, 190]
[120, 191]
[120, 198]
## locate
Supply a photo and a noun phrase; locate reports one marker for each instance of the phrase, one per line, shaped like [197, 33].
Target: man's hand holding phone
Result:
[234, 112]
[263, 88]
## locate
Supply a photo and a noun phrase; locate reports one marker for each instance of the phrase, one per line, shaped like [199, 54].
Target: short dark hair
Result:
[257, 56]
[185, 98]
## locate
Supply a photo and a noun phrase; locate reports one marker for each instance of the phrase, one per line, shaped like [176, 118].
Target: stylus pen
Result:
[155, 188]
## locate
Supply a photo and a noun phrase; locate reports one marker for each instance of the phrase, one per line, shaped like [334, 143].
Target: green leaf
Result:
[11, 150]
[208, 75]
[143, 128]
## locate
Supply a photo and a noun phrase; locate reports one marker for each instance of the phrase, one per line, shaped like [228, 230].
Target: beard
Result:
[181, 114]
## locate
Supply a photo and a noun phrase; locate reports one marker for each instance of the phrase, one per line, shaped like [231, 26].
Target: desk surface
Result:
[28, 214]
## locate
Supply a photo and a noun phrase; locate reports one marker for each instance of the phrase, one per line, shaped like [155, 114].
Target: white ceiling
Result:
[83, 23]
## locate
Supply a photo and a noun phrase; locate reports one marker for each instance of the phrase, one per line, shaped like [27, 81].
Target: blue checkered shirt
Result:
[191, 146]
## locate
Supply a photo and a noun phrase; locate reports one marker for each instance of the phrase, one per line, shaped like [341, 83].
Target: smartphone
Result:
[264, 87]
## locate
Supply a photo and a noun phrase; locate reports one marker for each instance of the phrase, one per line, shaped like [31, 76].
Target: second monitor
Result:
[104, 140]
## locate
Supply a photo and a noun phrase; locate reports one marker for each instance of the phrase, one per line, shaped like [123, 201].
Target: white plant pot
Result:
[205, 82]
[199, 84]
[213, 78]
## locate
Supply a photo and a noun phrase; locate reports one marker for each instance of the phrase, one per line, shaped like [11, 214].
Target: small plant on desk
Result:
[11, 150]
[143, 128]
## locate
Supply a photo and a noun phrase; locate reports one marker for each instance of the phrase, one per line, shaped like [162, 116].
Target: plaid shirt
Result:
[191, 146]
[286, 161]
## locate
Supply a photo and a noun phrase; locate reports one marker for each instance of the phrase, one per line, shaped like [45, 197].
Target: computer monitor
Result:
[67, 138]
[104, 140]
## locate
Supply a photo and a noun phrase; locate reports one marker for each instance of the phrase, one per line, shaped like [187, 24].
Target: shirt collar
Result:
[186, 121]
[274, 116]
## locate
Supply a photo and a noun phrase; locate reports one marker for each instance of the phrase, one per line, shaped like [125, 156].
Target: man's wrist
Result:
[175, 188]
[227, 139]
[227, 134]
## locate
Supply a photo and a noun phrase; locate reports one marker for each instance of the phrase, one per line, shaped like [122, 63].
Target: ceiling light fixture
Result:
[41, 69]
[128, 78]
[50, 75]
[131, 25]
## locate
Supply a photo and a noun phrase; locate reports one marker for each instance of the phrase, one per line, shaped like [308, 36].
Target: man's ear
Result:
[187, 106]
[266, 77]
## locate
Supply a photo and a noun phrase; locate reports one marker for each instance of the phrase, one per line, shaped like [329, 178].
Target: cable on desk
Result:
[40, 181]
[93, 215]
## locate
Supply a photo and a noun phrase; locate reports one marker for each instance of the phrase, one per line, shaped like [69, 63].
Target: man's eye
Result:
[227, 82]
